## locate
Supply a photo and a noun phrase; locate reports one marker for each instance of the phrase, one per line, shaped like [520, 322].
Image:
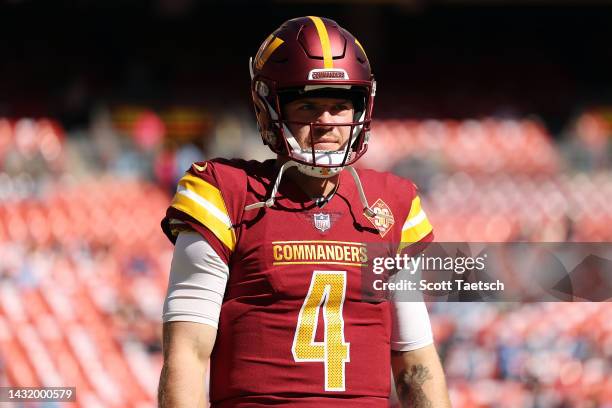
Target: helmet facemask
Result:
[275, 127]
[310, 56]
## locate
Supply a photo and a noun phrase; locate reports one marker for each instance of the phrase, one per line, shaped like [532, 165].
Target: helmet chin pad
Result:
[328, 163]
[319, 172]
[322, 158]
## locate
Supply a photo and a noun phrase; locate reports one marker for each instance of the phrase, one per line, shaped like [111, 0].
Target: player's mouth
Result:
[327, 139]
[327, 143]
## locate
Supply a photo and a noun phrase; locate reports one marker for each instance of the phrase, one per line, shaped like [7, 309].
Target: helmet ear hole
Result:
[267, 128]
[257, 110]
[263, 117]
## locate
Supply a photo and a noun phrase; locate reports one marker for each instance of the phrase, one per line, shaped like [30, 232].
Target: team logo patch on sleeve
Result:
[383, 220]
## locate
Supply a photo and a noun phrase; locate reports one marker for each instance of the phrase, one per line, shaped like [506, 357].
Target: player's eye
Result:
[342, 107]
[306, 107]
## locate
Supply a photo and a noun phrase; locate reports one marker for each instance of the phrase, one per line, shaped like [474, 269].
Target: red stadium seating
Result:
[85, 265]
[474, 146]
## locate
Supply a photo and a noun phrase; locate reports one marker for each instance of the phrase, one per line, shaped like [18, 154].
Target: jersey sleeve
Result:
[411, 328]
[416, 226]
[417, 231]
[199, 205]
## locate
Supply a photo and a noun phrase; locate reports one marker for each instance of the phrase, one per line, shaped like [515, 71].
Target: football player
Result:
[265, 281]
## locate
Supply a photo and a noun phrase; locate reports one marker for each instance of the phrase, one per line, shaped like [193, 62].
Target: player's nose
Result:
[325, 117]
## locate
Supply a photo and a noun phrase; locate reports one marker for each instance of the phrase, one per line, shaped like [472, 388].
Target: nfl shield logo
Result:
[322, 222]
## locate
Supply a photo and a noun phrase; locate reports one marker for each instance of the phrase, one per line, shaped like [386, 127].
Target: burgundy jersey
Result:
[294, 328]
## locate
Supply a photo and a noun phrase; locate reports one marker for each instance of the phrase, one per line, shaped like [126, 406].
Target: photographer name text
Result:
[445, 285]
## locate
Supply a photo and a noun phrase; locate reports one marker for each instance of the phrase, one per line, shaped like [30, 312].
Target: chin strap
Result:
[270, 201]
[367, 210]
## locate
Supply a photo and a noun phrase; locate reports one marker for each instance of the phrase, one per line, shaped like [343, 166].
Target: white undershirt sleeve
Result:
[411, 328]
[197, 282]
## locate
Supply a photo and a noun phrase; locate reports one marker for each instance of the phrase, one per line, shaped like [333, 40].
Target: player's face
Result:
[327, 111]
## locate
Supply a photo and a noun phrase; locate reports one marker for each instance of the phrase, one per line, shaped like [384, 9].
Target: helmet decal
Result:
[328, 74]
[362, 50]
[328, 61]
[266, 49]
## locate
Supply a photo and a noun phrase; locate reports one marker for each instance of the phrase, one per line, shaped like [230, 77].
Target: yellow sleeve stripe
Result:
[417, 225]
[203, 201]
[414, 221]
[415, 207]
[328, 61]
[418, 232]
[206, 191]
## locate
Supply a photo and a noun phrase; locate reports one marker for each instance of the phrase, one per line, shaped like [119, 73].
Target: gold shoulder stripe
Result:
[415, 208]
[418, 232]
[416, 226]
[203, 201]
[328, 61]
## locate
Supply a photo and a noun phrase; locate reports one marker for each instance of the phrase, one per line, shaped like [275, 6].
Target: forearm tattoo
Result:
[409, 387]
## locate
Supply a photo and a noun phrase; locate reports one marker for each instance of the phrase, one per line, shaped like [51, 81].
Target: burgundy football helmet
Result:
[312, 56]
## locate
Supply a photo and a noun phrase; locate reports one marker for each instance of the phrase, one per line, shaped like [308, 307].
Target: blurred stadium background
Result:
[501, 111]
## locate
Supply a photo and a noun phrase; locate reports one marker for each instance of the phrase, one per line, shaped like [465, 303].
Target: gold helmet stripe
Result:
[270, 45]
[328, 62]
[361, 46]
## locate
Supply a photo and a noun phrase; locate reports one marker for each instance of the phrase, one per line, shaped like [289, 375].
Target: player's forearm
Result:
[417, 387]
[187, 347]
[181, 383]
[419, 379]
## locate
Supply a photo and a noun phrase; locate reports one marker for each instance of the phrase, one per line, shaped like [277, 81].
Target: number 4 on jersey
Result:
[327, 289]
